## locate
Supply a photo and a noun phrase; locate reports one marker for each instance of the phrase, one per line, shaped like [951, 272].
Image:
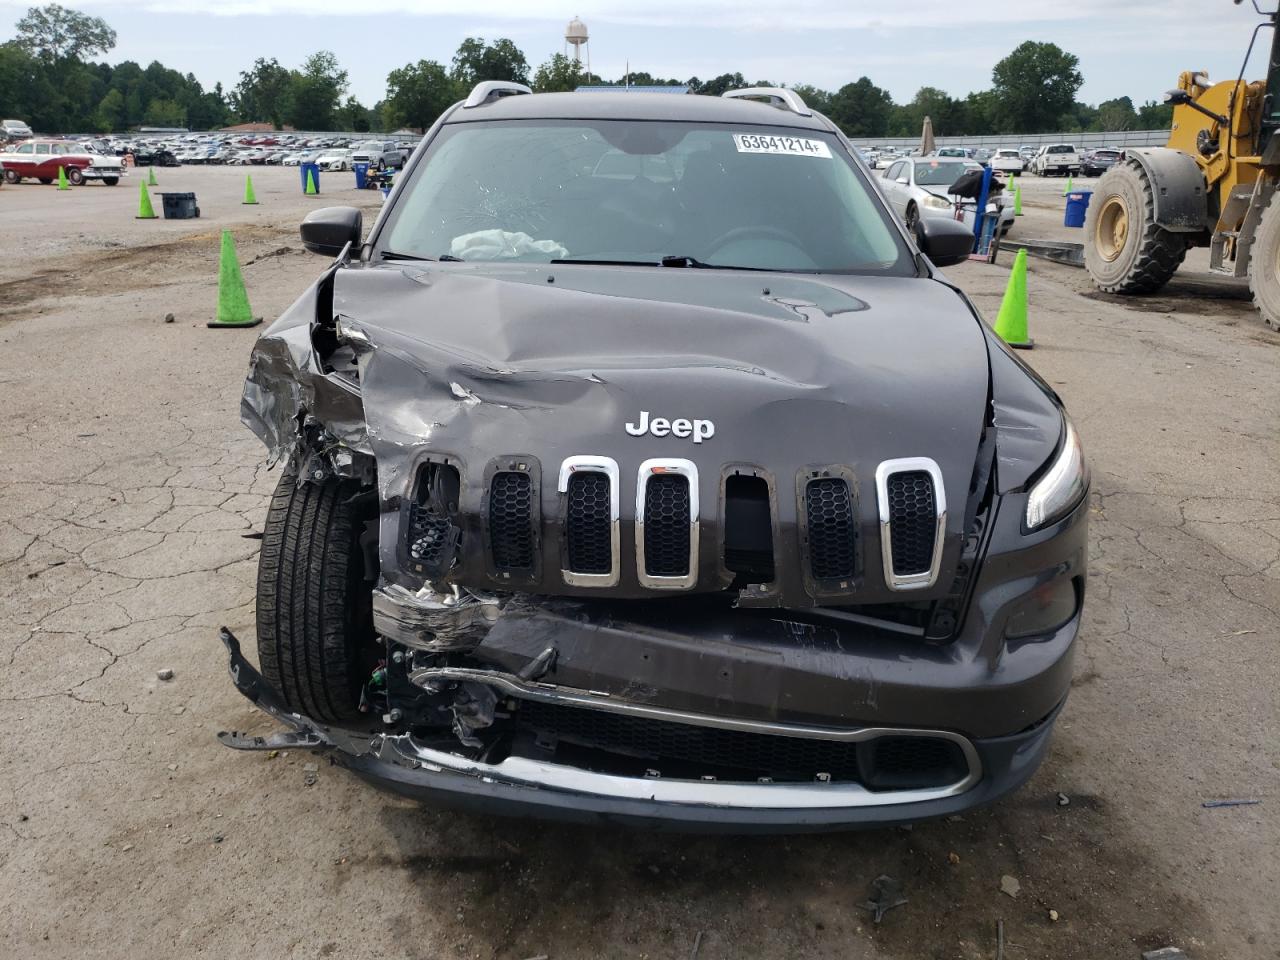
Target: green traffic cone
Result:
[151, 177]
[1017, 201]
[311, 185]
[144, 204]
[62, 179]
[233, 301]
[1067, 189]
[1011, 321]
[249, 198]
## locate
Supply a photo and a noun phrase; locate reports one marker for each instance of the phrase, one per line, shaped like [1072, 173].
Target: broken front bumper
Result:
[529, 787]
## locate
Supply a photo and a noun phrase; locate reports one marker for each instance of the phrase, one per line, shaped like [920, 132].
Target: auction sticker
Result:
[771, 143]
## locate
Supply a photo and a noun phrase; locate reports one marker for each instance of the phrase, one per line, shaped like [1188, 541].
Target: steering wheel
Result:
[768, 232]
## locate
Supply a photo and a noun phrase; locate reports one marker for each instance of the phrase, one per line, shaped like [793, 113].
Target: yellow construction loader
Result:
[1214, 185]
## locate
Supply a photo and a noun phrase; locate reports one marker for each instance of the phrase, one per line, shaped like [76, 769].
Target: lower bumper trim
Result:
[526, 787]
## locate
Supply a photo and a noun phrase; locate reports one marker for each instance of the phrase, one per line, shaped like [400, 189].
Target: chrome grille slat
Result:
[591, 509]
[661, 570]
[913, 519]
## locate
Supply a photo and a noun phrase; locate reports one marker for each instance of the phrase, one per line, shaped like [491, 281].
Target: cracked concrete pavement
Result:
[129, 489]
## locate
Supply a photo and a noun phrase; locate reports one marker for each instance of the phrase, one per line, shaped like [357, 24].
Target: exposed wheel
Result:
[382, 165]
[75, 176]
[1264, 264]
[110, 181]
[912, 217]
[46, 180]
[1125, 250]
[315, 617]
[11, 176]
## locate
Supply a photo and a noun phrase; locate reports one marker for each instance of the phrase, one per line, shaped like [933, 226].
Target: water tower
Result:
[575, 35]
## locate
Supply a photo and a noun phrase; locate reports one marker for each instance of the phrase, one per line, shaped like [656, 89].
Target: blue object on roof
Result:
[634, 88]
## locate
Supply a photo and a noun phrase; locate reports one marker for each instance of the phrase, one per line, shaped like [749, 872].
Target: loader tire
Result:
[315, 618]
[1264, 264]
[1125, 250]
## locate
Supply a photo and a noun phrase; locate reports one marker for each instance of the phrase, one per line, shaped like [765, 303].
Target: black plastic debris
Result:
[1210, 804]
[886, 893]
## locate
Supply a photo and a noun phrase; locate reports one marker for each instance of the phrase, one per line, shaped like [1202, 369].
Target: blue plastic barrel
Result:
[314, 169]
[1077, 204]
[362, 174]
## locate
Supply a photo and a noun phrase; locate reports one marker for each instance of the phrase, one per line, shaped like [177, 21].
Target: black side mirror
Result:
[944, 241]
[327, 230]
[1177, 98]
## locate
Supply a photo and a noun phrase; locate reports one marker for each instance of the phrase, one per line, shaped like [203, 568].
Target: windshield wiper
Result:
[444, 257]
[696, 264]
[673, 261]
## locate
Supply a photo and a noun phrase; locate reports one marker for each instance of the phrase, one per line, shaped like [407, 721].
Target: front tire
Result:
[315, 618]
[912, 217]
[1264, 265]
[110, 181]
[1126, 251]
[75, 176]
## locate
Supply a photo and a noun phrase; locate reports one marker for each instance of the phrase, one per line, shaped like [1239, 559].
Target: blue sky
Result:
[1135, 48]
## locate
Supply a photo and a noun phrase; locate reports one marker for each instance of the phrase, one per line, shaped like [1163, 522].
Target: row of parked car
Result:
[171, 150]
[1051, 159]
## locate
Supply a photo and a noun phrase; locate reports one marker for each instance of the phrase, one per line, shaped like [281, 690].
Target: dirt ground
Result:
[128, 487]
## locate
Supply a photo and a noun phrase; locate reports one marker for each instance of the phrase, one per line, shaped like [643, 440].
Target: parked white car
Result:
[334, 160]
[1056, 160]
[1007, 161]
[920, 187]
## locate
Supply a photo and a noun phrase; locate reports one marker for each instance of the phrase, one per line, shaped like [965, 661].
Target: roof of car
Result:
[635, 106]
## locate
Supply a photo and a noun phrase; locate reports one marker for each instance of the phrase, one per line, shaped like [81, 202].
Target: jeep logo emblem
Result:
[660, 427]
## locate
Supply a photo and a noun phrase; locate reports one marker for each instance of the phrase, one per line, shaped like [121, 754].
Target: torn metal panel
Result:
[435, 621]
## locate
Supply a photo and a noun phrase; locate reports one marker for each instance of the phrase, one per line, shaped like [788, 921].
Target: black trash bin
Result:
[180, 206]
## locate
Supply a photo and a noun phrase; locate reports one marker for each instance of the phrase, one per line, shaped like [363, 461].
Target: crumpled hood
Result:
[556, 361]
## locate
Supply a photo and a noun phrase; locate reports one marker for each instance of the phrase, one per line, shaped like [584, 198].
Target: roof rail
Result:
[488, 90]
[779, 97]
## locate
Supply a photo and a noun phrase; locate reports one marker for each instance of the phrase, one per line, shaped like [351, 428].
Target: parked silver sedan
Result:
[921, 187]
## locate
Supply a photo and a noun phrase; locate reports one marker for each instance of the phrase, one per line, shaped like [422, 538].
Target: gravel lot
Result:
[129, 486]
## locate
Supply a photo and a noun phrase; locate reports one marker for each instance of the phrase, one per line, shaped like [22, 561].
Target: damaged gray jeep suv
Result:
[640, 466]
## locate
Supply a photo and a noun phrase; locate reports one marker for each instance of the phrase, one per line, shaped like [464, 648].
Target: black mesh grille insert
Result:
[683, 750]
[913, 522]
[726, 753]
[431, 537]
[666, 525]
[587, 524]
[829, 513]
[511, 520]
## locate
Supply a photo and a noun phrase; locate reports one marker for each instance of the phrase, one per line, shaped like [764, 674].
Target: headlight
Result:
[937, 203]
[1064, 483]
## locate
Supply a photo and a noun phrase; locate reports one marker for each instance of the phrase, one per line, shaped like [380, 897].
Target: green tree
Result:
[354, 116]
[1117, 114]
[164, 113]
[1155, 116]
[861, 109]
[500, 60]
[55, 33]
[417, 94]
[1035, 86]
[944, 112]
[263, 92]
[316, 92]
[560, 74]
[719, 85]
[111, 115]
